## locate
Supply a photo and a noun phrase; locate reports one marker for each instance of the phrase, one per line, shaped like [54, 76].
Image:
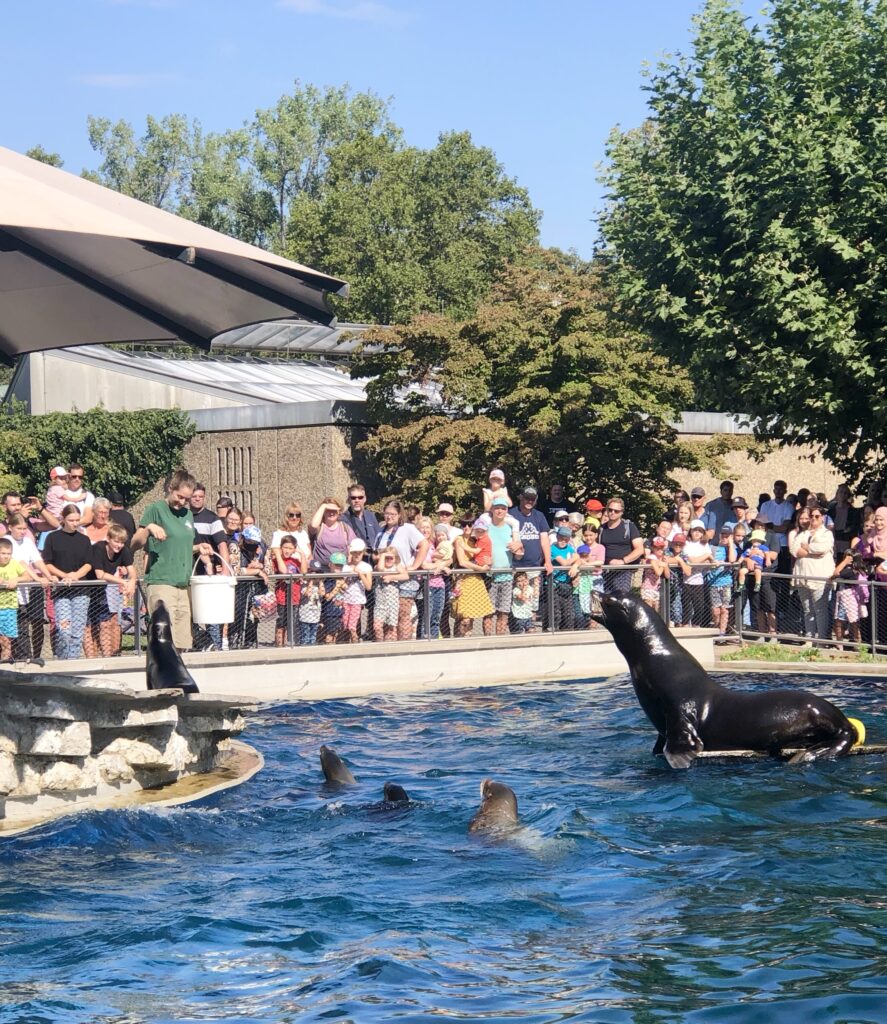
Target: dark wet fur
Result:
[498, 808]
[334, 768]
[164, 666]
[692, 712]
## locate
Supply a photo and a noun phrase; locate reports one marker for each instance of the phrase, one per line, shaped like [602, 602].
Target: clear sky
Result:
[541, 83]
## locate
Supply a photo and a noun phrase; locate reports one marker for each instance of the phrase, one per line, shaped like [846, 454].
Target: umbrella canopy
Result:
[81, 264]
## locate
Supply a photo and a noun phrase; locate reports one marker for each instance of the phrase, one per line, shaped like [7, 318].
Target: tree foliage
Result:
[543, 381]
[44, 156]
[325, 178]
[122, 451]
[746, 220]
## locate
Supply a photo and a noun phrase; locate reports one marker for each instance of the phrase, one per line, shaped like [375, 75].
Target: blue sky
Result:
[541, 83]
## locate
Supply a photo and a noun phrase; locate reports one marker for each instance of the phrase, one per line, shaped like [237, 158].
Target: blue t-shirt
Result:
[499, 538]
[530, 528]
[757, 555]
[563, 576]
[720, 577]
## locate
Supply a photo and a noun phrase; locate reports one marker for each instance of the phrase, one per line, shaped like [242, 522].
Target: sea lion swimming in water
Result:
[165, 668]
[394, 794]
[692, 713]
[334, 768]
[498, 808]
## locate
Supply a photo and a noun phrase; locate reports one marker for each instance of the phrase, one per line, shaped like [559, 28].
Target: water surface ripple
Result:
[755, 893]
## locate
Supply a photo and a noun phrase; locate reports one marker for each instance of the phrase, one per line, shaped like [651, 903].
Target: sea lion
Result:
[165, 668]
[394, 794]
[334, 768]
[692, 712]
[498, 808]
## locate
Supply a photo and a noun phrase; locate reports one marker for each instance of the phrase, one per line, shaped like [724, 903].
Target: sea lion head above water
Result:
[498, 808]
[395, 794]
[334, 768]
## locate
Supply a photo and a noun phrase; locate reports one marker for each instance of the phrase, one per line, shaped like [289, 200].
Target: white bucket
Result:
[212, 599]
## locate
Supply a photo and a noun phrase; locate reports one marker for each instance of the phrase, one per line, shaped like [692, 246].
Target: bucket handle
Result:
[215, 554]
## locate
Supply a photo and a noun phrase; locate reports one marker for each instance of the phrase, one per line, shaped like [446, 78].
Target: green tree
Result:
[413, 230]
[543, 380]
[745, 221]
[45, 157]
[123, 451]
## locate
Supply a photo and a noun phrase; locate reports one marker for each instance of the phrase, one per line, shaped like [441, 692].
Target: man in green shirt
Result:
[166, 530]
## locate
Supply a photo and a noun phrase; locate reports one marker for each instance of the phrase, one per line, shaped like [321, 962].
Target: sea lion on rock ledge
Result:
[165, 668]
[693, 713]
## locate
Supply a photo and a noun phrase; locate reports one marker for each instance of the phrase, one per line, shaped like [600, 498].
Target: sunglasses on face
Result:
[294, 515]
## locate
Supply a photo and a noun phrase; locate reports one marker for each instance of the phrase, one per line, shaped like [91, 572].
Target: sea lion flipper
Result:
[659, 745]
[682, 742]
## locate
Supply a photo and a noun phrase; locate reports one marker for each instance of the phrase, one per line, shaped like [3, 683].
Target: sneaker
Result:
[224, 643]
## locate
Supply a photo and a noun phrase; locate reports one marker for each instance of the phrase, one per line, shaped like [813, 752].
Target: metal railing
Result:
[96, 619]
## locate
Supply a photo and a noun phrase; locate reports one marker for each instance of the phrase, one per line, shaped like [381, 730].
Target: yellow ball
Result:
[860, 731]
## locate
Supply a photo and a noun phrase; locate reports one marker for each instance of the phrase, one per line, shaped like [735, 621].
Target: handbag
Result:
[265, 605]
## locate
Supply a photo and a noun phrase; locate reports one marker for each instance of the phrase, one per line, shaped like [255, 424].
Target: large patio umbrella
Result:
[81, 264]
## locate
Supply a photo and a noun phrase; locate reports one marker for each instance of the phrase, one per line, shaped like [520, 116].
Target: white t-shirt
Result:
[776, 513]
[24, 551]
[82, 498]
[405, 539]
[355, 593]
[693, 549]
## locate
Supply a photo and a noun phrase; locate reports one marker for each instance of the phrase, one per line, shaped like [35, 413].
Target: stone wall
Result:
[67, 743]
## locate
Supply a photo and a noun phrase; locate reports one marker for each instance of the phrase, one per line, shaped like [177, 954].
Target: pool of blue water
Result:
[633, 894]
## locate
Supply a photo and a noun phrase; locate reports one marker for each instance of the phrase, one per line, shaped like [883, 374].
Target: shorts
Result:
[387, 604]
[720, 597]
[500, 596]
[351, 616]
[9, 622]
[282, 617]
[521, 625]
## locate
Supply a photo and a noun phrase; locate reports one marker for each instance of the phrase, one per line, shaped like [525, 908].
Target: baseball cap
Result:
[115, 497]
[252, 533]
[57, 471]
[497, 474]
[338, 558]
[758, 535]
[564, 531]
[561, 513]
[593, 505]
[658, 542]
[583, 549]
[593, 521]
[481, 523]
[358, 545]
[529, 492]
[679, 538]
[445, 506]
[697, 524]
[727, 527]
[740, 503]
[500, 502]
[697, 492]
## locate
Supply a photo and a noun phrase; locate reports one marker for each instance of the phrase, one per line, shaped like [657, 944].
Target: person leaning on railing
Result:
[32, 600]
[812, 546]
[68, 557]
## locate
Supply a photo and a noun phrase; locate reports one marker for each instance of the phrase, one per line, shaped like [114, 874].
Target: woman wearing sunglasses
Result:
[812, 546]
[292, 522]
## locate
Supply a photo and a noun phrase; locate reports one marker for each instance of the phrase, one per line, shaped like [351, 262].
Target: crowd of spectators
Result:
[793, 564]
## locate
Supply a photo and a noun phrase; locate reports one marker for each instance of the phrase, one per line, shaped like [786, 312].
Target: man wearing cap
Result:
[361, 519]
[719, 510]
[697, 500]
[740, 512]
[120, 515]
[532, 532]
[623, 545]
[555, 502]
[506, 548]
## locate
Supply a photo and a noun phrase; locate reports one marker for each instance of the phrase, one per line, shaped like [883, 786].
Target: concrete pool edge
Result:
[245, 761]
[335, 672]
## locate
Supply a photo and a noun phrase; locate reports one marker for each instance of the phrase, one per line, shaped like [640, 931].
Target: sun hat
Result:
[499, 503]
[57, 471]
[697, 524]
[358, 545]
[252, 533]
[338, 558]
[758, 535]
[481, 523]
[445, 506]
[583, 549]
[593, 521]
[564, 531]
[497, 474]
